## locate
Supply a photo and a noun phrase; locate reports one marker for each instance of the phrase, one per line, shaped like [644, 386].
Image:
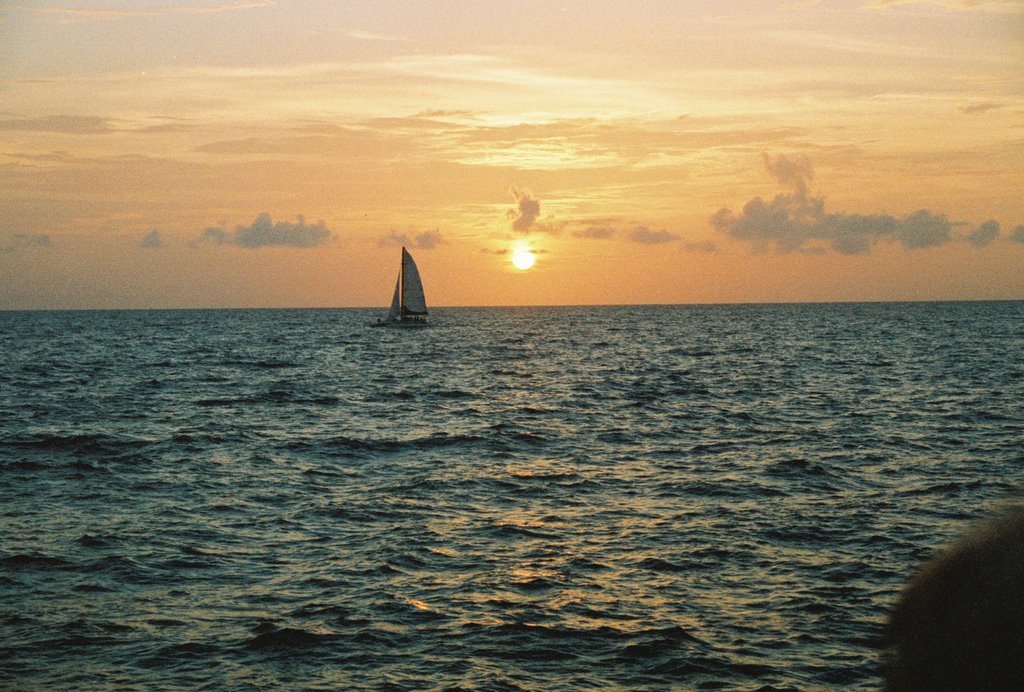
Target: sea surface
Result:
[687, 497]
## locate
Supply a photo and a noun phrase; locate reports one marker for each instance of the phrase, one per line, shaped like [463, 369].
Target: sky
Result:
[278, 153]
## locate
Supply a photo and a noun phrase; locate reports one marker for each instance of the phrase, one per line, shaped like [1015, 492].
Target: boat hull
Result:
[401, 325]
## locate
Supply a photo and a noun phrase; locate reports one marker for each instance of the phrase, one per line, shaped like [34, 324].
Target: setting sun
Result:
[523, 259]
[694, 152]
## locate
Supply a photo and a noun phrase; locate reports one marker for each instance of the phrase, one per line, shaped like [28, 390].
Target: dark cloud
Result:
[598, 232]
[263, 232]
[643, 234]
[796, 174]
[984, 234]
[427, 240]
[21, 240]
[525, 216]
[214, 235]
[1017, 234]
[798, 221]
[923, 229]
[705, 246]
[152, 240]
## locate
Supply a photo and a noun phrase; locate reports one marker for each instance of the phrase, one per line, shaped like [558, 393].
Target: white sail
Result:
[408, 306]
[413, 300]
[396, 303]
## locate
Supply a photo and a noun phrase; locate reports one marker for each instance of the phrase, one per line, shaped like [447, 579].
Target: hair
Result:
[959, 624]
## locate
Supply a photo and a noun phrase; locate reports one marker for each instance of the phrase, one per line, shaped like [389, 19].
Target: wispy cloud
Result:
[68, 124]
[263, 232]
[981, 107]
[426, 240]
[799, 4]
[371, 36]
[701, 246]
[596, 232]
[793, 173]
[82, 14]
[647, 236]
[23, 240]
[992, 6]
[152, 240]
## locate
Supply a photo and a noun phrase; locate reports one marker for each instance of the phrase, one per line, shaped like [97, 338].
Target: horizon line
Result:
[539, 305]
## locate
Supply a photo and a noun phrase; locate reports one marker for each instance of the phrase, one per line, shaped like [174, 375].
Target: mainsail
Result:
[395, 312]
[408, 303]
[413, 301]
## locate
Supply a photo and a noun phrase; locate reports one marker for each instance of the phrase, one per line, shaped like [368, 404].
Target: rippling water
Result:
[537, 498]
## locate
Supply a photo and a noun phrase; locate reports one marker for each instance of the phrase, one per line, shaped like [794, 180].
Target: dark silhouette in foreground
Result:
[959, 624]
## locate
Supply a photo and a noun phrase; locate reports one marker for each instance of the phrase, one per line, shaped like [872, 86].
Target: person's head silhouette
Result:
[959, 624]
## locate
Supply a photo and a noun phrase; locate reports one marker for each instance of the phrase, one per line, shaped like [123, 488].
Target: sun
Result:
[523, 259]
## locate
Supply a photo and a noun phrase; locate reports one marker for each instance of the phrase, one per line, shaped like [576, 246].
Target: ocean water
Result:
[689, 497]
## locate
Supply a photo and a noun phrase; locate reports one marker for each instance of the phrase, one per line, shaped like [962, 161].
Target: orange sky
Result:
[235, 153]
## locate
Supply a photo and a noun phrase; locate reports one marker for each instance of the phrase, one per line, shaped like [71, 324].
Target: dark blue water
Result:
[538, 498]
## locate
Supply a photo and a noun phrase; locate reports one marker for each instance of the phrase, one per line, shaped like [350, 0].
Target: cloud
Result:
[21, 240]
[797, 221]
[981, 107]
[984, 234]
[1017, 234]
[596, 232]
[370, 36]
[66, 124]
[605, 229]
[427, 240]
[796, 174]
[152, 240]
[643, 234]
[263, 232]
[214, 235]
[993, 6]
[923, 229]
[84, 14]
[528, 211]
[705, 246]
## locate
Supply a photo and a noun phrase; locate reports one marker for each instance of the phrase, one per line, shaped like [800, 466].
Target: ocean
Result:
[649, 497]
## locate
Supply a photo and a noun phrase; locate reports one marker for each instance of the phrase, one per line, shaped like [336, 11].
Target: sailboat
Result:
[408, 306]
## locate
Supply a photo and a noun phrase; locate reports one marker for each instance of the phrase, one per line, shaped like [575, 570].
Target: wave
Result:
[273, 396]
[177, 654]
[287, 638]
[292, 501]
[541, 474]
[41, 563]
[98, 444]
[353, 446]
[259, 364]
[507, 530]
[88, 541]
[655, 564]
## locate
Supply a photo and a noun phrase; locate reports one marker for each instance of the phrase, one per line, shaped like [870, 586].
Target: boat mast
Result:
[401, 290]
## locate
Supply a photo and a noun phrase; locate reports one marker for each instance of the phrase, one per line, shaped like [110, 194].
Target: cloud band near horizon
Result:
[797, 221]
[263, 232]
